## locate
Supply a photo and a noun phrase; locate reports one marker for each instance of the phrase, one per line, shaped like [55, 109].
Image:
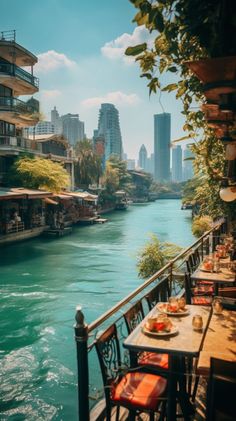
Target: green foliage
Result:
[120, 167]
[154, 255]
[39, 173]
[201, 224]
[141, 182]
[88, 167]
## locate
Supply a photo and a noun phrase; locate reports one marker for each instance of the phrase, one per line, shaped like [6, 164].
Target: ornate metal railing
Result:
[169, 280]
[16, 105]
[13, 70]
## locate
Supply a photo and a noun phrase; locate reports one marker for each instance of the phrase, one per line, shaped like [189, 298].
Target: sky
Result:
[80, 47]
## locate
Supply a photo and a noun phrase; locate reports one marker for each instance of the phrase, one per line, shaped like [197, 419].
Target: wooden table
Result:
[187, 342]
[219, 342]
[224, 277]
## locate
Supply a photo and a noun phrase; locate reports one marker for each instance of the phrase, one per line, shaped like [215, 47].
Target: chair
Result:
[135, 390]
[221, 391]
[160, 292]
[149, 360]
[197, 294]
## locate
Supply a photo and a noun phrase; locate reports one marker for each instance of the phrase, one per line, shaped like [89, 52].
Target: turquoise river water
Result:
[42, 282]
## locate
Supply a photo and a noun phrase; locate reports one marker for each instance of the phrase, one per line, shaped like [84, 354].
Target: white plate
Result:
[172, 332]
[162, 308]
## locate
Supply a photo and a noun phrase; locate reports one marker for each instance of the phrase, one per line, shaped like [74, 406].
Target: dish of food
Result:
[166, 308]
[172, 331]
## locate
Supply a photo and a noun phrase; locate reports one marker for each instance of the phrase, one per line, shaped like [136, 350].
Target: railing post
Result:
[81, 338]
[202, 248]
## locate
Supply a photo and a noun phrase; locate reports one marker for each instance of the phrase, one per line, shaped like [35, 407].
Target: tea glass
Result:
[173, 303]
[182, 303]
[217, 305]
[197, 322]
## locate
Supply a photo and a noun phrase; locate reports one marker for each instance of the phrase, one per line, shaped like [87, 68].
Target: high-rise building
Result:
[43, 127]
[177, 164]
[72, 128]
[109, 127]
[142, 161]
[187, 165]
[162, 147]
[130, 164]
[56, 121]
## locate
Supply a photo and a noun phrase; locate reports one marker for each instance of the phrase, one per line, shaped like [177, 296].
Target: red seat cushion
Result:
[151, 358]
[140, 390]
[206, 283]
[201, 300]
[203, 290]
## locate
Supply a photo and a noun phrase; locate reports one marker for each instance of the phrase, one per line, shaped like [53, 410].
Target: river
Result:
[42, 282]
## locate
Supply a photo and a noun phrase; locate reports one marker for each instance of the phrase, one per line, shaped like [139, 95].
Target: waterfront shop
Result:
[87, 205]
[22, 213]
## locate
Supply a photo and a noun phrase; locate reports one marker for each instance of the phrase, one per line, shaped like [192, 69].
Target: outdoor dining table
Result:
[223, 277]
[219, 342]
[186, 342]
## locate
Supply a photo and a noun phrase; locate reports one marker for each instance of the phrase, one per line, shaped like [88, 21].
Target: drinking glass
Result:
[197, 322]
[173, 304]
[217, 305]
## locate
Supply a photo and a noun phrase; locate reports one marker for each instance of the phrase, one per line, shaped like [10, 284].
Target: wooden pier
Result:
[57, 232]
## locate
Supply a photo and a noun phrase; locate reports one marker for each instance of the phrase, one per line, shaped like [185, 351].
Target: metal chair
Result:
[135, 390]
[160, 292]
[221, 391]
[197, 294]
[150, 361]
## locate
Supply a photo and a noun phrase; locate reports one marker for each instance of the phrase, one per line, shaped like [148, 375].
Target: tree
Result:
[201, 224]
[115, 163]
[154, 255]
[39, 173]
[88, 167]
[110, 182]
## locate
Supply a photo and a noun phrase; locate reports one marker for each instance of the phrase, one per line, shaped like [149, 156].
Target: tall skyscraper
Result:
[56, 121]
[177, 163]
[162, 147]
[109, 127]
[142, 161]
[72, 128]
[187, 165]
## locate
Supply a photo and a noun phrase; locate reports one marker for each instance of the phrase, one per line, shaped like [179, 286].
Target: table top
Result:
[225, 276]
[220, 340]
[186, 342]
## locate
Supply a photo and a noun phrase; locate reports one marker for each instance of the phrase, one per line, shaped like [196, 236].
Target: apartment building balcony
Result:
[18, 112]
[17, 79]
[13, 145]
[13, 52]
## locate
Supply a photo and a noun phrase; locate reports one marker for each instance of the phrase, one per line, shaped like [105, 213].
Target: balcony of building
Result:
[13, 145]
[17, 79]
[15, 111]
[13, 52]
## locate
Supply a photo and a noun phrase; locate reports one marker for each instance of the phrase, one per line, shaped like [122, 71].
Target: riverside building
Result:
[162, 147]
[142, 162]
[177, 164]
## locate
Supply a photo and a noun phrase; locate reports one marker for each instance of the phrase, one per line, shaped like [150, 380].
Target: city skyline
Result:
[81, 67]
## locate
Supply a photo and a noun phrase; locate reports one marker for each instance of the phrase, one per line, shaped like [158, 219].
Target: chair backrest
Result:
[188, 286]
[191, 263]
[160, 292]
[108, 351]
[133, 316]
[221, 391]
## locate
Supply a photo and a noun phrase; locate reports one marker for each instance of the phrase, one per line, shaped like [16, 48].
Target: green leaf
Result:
[159, 21]
[170, 87]
[147, 75]
[183, 138]
[137, 49]
[172, 69]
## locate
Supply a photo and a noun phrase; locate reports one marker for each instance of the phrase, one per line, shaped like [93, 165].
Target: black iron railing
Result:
[13, 70]
[168, 279]
[16, 105]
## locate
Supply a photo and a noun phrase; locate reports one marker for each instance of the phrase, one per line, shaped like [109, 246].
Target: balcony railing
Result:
[8, 35]
[13, 70]
[16, 105]
[21, 143]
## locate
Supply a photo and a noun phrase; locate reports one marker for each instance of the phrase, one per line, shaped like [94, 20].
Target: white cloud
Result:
[51, 60]
[118, 98]
[50, 94]
[116, 49]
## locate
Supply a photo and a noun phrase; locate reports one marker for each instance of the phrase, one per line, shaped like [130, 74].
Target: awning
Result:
[50, 201]
[8, 194]
[62, 196]
[32, 194]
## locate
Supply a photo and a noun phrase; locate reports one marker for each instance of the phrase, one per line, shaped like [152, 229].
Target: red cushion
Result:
[140, 390]
[203, 290]
[206, 283]
[151, 358]
[201, 300]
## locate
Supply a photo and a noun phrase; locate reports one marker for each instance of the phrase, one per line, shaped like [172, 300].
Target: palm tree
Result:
[88, 167]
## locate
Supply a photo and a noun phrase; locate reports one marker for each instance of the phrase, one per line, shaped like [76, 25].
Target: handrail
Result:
[14, 70]
[156, 275]
[16, 104]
